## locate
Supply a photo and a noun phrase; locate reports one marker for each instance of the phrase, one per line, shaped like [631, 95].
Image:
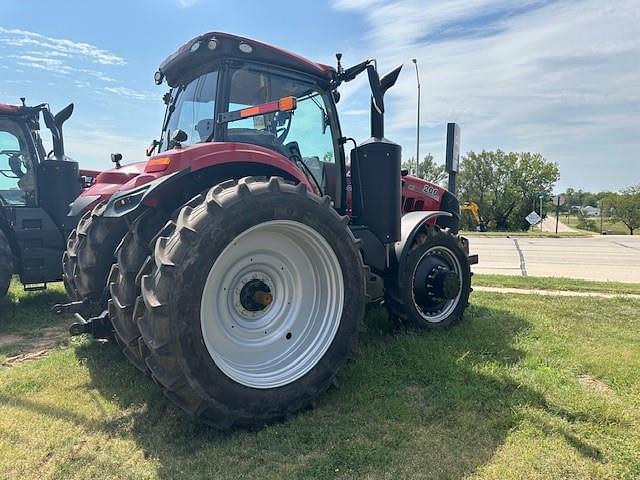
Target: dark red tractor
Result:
[235, 264]
[37, 184]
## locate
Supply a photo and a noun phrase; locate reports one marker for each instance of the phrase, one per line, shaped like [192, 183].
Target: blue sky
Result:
[558, 77]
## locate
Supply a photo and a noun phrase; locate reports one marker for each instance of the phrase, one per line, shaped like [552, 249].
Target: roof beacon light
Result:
[194, 46]
[245, 47]
[158, 77]
[212, 44]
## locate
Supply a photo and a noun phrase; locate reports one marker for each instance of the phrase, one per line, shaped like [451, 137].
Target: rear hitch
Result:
[72, 307]
[99, 326]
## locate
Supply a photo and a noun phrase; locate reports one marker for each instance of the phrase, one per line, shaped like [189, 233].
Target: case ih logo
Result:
[432, 192]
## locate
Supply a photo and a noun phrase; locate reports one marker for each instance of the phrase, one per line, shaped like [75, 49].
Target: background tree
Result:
[626, 207]
[505, 185]
[428, 169]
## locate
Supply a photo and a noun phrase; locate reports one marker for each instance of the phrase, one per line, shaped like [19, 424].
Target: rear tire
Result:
[406, 306]
[207, 348]
[90, 254]
[124, 284]
[6, 264]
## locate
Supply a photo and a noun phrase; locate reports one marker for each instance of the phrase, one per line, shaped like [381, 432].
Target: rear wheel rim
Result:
[275, 345]
[440, 310]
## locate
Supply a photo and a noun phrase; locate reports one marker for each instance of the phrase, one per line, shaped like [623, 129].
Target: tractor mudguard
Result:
[410, 225]
[82, 204]
[133, 201]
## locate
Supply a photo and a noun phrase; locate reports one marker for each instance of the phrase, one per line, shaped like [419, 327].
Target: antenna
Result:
[23, 100]
[338, 58]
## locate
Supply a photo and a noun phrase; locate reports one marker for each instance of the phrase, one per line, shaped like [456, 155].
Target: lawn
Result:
[608, 225]
[554, 283]
[525, 387]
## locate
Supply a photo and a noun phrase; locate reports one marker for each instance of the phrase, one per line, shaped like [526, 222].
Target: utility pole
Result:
[415, 62]
[600, 202]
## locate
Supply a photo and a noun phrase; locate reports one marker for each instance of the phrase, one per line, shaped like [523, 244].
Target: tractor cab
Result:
[37, 183]
[237, 91]
[228, 89]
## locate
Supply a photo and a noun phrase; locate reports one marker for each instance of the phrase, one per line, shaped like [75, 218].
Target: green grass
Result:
[554, 283]
[496, 397]
[608, 225]
[25, 314]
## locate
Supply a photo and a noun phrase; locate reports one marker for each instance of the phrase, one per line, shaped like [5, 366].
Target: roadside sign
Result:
[559, 200]
[533, 218]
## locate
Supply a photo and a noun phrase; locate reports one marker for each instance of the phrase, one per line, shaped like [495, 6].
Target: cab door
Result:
[40, 241]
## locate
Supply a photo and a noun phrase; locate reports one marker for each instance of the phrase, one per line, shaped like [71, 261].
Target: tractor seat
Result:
[257, 137]
[204, 128]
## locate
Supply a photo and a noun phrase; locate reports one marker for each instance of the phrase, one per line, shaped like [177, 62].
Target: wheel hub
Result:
[272, 304]
[437, 283]
[255, 295]
[444, 284]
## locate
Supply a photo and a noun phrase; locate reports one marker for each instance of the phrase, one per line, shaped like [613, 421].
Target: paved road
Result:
[606, 257]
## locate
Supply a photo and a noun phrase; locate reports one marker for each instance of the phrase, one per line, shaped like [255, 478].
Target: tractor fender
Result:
[132, 202]
[175, 189]
[410, 225]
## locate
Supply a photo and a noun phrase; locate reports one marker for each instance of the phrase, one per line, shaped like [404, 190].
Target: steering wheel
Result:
[15, 163]
[280, 125]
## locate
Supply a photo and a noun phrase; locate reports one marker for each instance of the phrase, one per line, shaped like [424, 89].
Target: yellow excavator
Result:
[473, 208]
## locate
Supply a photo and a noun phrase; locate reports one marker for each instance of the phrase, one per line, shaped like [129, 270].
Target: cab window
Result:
[17, 174]
[303, 135]
[193, 112]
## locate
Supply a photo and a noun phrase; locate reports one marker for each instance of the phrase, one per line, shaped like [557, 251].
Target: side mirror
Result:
[152, 147]
[116, 158]
[177, 138]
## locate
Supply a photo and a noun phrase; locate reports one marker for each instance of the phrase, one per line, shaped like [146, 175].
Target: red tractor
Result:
[246, 248]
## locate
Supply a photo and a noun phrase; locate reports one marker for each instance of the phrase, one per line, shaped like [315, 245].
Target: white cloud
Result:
[187, 3]
[59, 46]
[127, 93]
[558, 77]
[91, 145]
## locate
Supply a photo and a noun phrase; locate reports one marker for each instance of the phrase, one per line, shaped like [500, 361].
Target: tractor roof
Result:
[8, 109]
[215, 45]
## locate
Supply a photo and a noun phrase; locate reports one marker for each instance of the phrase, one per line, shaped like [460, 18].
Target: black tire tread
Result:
[397, 307]
[154, 321]
[90, 255]
[124, 285]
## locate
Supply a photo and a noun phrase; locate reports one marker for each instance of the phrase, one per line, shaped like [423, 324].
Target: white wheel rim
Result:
[448, 306]
[282, 342]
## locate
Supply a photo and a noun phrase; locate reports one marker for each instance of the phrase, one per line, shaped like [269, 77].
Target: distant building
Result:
[590, 211]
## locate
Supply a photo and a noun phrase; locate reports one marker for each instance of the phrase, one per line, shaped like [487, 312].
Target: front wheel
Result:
[6, 264]
[433, 284]
[252, 302]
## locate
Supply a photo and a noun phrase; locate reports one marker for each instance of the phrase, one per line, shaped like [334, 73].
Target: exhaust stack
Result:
[375, 169]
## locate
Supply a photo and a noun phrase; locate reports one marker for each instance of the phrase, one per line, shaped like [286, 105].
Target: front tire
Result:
[433, 284]
[90, 254]
[124, 284]
[252, 302]
[6, 264]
